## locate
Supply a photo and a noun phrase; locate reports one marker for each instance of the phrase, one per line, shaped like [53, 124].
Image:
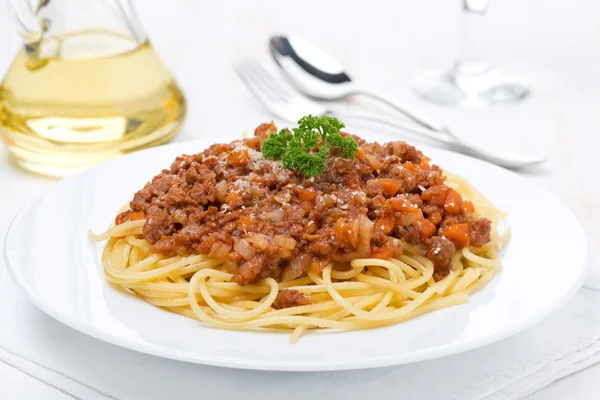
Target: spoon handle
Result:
[416, 116]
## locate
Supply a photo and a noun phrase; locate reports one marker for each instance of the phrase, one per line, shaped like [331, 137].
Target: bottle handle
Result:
[29, 26]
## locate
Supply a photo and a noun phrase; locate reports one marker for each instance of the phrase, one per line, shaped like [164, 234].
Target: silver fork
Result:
[289, 105]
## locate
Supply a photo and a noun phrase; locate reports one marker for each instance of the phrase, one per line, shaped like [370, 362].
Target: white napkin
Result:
[565, 342]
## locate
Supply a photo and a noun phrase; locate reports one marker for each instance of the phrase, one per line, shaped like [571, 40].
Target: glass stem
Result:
[472, 59]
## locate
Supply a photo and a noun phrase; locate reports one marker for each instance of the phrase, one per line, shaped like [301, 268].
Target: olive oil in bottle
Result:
[101, 94]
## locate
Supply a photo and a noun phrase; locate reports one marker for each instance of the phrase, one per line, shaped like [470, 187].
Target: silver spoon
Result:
[318, 75]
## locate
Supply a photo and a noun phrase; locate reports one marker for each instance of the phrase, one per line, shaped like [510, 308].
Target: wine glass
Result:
[471, 82]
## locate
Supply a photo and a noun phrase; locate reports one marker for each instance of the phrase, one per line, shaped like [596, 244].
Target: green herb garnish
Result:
[298, 149]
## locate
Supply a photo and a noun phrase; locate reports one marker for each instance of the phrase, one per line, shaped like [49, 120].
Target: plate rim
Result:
[284, 365]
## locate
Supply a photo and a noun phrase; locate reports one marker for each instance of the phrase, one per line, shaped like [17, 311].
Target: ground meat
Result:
[158, 225]
[290, 298]
[248, 271]
[449, 220]
[415, 199]
[440, 251]
[141, 199]
[232, 203]
[429, 177]
[405, 151]
[480, 231]
[410, 234]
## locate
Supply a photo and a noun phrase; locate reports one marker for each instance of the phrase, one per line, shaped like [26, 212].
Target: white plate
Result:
[51, 260]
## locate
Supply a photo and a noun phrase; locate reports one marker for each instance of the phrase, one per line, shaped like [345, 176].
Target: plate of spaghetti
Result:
[304, 248]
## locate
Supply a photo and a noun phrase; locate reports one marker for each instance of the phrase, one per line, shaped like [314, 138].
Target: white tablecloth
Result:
[551, 44]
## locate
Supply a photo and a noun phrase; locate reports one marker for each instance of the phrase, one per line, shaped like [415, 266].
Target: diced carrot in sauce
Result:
[453, 203]
[436, 195]
[122, 217]
[233, 198]
[346, 230]
[307, 194]
[401, 203]
[137, 215]
[411, 167]
[307, 205]
[220, 148]
[238, 158]
[386, 225]
[468, 206]
[341, 226]
[436, 216]
[426, 228]
[459, 234]
[382, 253]
[256, 192]
[390, 186]
[244, 223]
[360, 155]
[253, 143]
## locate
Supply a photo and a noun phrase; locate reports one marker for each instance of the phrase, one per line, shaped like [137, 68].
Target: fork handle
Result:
[514, 162]
[416, 116]
[398, 124]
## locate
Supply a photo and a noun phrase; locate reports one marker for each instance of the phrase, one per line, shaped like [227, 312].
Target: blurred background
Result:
[551, 44]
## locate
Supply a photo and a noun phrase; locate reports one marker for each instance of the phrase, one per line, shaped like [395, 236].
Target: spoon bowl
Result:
[310, 70]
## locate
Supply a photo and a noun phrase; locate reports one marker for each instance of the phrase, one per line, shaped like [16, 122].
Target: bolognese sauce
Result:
[233, 204]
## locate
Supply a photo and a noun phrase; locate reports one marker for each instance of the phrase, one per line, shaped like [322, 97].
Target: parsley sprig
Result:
[306, 147]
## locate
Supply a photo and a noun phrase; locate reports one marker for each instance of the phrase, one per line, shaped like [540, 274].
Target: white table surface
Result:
[554, 45]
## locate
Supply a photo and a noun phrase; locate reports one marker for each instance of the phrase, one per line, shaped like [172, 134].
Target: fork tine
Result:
[288, 106]
[268, 79]
[257, 90]
[252, 75]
